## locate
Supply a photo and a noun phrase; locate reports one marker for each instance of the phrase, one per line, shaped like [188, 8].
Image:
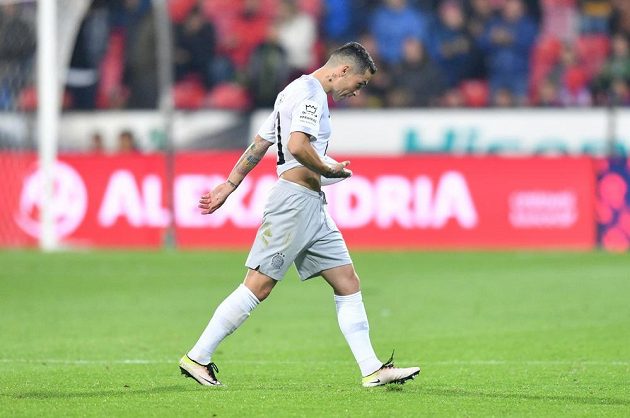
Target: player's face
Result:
[350, 84]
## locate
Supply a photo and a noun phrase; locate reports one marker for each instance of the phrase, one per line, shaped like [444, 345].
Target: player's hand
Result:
[213, 200]
[338, 170]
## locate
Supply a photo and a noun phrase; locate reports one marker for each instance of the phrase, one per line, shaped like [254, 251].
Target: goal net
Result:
[22, 202]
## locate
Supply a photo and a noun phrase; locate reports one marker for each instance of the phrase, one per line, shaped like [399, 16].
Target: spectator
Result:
[337, 24]
[560, 20]
[96, 143]
[451, 45]
[416, 81]
[245, 31]
[616, 71]
[391, 24]
[547, 94]
[127, 142]
[480, 13]
[620, 19]
[268, 70]
[297, 34]
[503, 97]
[140, 56]
[594, 16]
[453, 98]
[17, 47]
[620, 93]
[508, 41]
[571, 79]
[195, 48]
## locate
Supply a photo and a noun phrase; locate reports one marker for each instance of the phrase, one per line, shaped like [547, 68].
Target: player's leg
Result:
[351, 315]
[354, 325]
[278, 241]
[228, 316]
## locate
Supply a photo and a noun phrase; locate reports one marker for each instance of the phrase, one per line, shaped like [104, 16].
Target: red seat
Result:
[475, 93]
[547, 51]
[189, 94]
[27, 99]
[228, 96]
[179, 9]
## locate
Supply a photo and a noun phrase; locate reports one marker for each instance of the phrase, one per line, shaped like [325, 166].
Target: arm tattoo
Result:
[250, 158]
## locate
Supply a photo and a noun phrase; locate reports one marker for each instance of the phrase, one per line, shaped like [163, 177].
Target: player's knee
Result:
[259, 284]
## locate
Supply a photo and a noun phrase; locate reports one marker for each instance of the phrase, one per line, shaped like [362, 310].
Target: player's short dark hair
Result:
[355, 52]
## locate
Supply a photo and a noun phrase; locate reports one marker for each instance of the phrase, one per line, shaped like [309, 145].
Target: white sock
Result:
[229, 315]
[354, 326]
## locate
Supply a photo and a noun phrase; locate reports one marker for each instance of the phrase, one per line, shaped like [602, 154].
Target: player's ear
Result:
[345, 70]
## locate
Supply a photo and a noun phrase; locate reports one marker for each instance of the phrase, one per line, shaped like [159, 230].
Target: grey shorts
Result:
[297, 228]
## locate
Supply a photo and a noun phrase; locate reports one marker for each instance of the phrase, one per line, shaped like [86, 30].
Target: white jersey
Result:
[302, 106]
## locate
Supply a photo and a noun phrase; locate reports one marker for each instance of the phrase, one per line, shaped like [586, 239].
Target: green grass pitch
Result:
[541, 334]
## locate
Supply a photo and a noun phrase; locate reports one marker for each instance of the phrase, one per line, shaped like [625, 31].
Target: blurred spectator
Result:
[416, 81]
[392, 23]
[453, 98]
[297, 34]
[560, 20]
[140, 73]
[547, 94]
[503, 97]
[244, 32]
[127, 142]
[337, 24]
[508, 41]
[620, 93]
[195, 43]
[97, 145]
[452, 46]
[595, 15]
[575, 90]
[616, 70]
[268, 70]
[534, 10]
[480, 13]
[620, 20]
[17, 47]
[571, 79]
[89, 49]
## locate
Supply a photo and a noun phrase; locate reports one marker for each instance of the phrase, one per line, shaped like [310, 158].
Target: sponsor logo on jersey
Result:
[308, 113]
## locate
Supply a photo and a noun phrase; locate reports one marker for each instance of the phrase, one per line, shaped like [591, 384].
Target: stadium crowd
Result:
[238, 54]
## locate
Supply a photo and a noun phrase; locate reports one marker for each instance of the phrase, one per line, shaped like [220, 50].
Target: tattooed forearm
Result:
[250, 158]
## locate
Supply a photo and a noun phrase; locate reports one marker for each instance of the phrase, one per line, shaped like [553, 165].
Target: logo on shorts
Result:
[277, 260]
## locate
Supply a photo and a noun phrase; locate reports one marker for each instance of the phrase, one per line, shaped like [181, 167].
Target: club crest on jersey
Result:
[312, 109]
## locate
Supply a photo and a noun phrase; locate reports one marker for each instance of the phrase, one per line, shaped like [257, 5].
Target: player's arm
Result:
[213, 200]
[300, 147]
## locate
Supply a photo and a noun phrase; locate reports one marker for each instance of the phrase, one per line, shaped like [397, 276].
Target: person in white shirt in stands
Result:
[296, 226]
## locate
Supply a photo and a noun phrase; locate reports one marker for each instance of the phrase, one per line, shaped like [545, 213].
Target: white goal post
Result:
[57, 25]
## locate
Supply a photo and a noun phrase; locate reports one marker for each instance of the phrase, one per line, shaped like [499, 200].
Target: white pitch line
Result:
[79, 362]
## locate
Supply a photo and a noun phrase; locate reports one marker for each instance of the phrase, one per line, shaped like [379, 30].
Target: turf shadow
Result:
[124, 391]
[587, 400]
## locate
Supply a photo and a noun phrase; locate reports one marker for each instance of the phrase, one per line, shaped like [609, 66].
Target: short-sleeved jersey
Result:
[302, 106]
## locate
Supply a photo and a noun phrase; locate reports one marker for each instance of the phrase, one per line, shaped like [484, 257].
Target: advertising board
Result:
[390, 203]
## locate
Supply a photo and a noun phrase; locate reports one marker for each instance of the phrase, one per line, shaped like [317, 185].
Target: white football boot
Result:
[388, 373]
[204, 375]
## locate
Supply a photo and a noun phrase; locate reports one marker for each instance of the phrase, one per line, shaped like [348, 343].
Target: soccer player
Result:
[296, 226]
